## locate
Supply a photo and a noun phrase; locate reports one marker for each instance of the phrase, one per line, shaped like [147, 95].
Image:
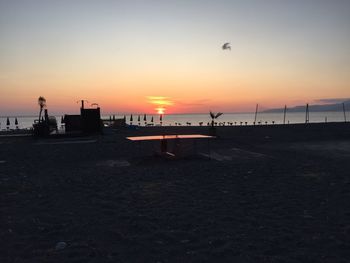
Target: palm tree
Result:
[214, 116]
[42, 104]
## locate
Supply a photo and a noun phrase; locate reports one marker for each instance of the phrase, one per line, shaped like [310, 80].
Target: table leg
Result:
[163, 146]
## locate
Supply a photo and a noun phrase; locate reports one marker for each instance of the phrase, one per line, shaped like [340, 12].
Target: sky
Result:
[157, 55]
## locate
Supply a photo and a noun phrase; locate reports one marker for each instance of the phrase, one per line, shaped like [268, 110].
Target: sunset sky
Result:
[139, 56]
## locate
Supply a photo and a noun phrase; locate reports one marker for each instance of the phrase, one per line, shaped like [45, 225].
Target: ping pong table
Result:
[165, 138]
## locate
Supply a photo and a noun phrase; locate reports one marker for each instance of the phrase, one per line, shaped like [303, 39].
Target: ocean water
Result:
[26, 122]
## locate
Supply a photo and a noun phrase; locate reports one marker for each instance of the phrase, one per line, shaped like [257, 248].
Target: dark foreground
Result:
[269, 194]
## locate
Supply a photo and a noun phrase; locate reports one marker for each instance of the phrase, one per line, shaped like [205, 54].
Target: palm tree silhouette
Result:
[42, 104]
[214, 116]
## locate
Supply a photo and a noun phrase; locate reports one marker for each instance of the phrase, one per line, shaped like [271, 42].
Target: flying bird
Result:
[226, 46]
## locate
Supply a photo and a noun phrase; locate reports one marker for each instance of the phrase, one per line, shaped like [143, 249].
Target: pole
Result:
[344, 112]
[284, 114]
[256, 113]
[307, 113]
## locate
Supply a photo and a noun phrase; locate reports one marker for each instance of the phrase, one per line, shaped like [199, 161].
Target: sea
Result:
[227, 119]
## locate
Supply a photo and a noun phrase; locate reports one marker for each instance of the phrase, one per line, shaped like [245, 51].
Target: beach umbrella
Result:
[152, 119]
[144, 117]
[8, 122]
[226, 46]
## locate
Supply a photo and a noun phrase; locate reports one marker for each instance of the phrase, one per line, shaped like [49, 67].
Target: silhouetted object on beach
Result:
[62, 122]
[152, 119]
[16, 123]
[139, 120]
[284, 114]
[161, 119]
[344, 112]
[131, 119]
[46, 124]
[50, 121]
[145, 119]
[226, 46]
[213, 116]
[256, 113]
[42, 104]
[119, 123]
[307, 116]
[89, 121]
[8, 123]
[110, 120]
[82, 103]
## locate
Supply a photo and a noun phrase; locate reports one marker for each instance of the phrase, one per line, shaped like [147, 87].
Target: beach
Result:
[272, 193]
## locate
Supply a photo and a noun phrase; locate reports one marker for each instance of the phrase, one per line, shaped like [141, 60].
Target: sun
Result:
[161, 103]
[160, 110]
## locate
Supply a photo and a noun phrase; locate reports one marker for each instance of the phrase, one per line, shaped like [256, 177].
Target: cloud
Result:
[160, 101]
[330, 101]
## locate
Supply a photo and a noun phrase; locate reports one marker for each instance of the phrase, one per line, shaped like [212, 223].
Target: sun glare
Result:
[162, 103]
[160, 110]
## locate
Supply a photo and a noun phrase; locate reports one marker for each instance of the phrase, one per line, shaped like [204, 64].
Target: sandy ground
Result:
[267, 194]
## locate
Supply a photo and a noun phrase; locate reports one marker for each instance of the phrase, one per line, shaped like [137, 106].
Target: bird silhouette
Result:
[226, 46]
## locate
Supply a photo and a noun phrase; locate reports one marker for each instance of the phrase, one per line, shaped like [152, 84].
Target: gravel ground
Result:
[266, 194]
